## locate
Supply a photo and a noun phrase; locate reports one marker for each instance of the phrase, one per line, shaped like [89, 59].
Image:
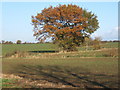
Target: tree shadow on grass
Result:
[66, 76]
[44, 51]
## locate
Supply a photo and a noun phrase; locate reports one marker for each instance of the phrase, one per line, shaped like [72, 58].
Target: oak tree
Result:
[68, 25]
[18, 42]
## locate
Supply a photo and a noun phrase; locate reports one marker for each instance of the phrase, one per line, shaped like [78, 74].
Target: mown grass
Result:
[102, 45]
[91, 64]
[9, 48]
[99, 70]
[110, 45]
[77, 69]
[48, 47]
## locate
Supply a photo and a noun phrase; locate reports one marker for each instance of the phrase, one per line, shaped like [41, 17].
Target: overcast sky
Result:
[16, 18]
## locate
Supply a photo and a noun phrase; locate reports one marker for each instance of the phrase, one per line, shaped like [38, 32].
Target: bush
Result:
[96, 43]
[18, 42]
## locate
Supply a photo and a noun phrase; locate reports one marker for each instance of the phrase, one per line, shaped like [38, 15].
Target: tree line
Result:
[20, 42]
[89, 41]
[17, 42]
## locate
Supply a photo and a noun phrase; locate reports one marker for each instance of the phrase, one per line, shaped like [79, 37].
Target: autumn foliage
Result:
[68, 25]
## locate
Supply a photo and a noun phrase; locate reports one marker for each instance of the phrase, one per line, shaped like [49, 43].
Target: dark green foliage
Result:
[18, 42]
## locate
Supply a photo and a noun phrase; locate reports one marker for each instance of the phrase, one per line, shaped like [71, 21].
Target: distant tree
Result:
[68, 25]
[8, 42]
[18, 42]
[104, 41]
[3, 41]
[116, 41]
[25, 43]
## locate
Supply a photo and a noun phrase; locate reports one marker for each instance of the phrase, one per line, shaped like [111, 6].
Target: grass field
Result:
[83, 69]
[9, 48]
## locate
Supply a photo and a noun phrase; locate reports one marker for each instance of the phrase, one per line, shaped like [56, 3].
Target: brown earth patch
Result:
[27, 83]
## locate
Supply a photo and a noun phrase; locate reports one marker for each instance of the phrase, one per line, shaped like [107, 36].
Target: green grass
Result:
[92, 53]
[7, 83]
[110, 45]
[9, 48]
[99, 70]
[82, 68]
[103, 45]
[100, 65]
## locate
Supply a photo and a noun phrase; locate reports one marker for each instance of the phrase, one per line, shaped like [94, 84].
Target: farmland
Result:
[45, 67]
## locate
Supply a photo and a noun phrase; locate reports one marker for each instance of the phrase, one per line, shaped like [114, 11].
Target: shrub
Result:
[96, 43]
[18, 42]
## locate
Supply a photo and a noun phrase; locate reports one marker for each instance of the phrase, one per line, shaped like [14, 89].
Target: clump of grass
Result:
[94, 53]
[17, 54]
[7, 83]
[96, 47]
[111, 53]
[9, 54]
